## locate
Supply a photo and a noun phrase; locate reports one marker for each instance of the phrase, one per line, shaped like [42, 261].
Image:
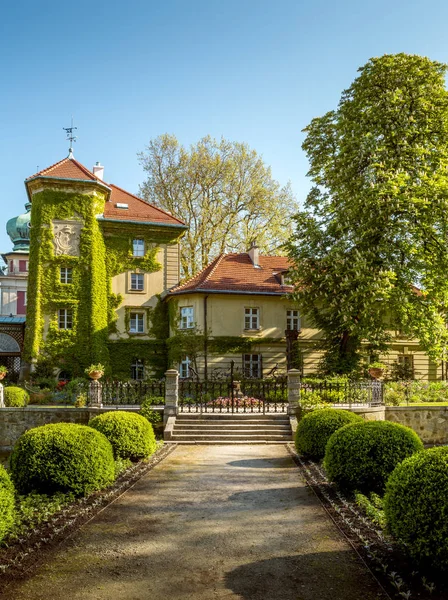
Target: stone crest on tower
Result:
[66, 237]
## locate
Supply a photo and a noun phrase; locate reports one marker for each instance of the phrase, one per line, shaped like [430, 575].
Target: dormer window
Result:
[286, 278]
[122, 205]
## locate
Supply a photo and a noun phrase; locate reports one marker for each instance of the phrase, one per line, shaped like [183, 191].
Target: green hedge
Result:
[16, 396]
[315, 429]
[7, 504]
[416, 506]
[152, 416]
[131, 435]
[361, 456]
[62, 457]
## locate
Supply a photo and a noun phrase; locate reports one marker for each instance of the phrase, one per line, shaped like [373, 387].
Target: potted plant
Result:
[95, 371]
[3, 371]
[376, 369]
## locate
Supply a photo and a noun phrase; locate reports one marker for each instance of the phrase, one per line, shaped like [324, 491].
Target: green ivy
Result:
[105, 251]
[123, 352]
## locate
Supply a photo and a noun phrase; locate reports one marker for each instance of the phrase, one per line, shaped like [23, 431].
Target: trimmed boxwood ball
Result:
[7, 508]
[315, 429]
[416, 506]
[131, 435]
[16, 396]
[361, 456]
[62, 457]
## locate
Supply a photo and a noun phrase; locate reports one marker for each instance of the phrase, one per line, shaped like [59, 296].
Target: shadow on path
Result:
[318, 576]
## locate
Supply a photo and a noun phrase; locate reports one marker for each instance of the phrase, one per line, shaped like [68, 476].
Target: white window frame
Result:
[138, 247]
[184, 368]
[66, 274]
[251, 318]
[402, 359]
[139, 322]
[186, 320]
[253, 365]
[65, 318]
[292, 319]
[138, 369]
[137, 282]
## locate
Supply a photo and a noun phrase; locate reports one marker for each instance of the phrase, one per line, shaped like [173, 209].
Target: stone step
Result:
[234, 421]
[236, 428]
[233, 416]
[227, 443]
[223, 437]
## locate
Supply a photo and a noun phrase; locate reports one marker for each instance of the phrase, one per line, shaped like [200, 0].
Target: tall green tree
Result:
[371, 241]
[225, 193]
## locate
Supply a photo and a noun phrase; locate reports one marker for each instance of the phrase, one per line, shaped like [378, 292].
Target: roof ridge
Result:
[47, 168]
[198, 274]
[213, 269]
[145, 202]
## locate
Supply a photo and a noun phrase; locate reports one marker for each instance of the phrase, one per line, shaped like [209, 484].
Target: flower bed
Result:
[44, 521]
[245, 402]
[361, 520]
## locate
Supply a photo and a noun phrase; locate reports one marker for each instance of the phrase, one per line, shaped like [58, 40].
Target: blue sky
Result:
[249, 70]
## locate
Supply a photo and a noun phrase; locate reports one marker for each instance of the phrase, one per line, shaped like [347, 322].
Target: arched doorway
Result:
[10, 355]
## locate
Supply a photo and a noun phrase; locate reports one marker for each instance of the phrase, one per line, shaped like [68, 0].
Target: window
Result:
[252, 365]
[292, 320]
[406, 364]
[21, 302]
[137, 369]
[138, 248]
[136, 322]
[251, 318]
[137, 282]
[22, 266]
[186, 317]
[11, 266]
[66, 274]
[65, 318]
[184, 368]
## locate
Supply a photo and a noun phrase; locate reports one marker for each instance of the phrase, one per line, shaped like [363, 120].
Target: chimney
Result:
[98, 170]
[253, 253]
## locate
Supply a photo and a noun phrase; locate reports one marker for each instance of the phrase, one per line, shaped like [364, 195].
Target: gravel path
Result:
[209, 522]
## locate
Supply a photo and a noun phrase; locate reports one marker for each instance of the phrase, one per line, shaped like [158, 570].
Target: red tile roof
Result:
[235, 273]
[137, 210]
[68, 168]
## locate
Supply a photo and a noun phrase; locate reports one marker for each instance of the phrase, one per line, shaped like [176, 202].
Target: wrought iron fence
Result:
[234, 396]
[346, 394]
[131, 393]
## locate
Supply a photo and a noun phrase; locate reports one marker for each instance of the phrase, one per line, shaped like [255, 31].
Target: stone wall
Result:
[430, 422]
[15, 421]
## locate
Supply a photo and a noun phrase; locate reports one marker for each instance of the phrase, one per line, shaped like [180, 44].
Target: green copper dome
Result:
[18, 230]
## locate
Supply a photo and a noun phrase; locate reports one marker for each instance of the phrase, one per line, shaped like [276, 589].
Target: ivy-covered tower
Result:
[99, 260]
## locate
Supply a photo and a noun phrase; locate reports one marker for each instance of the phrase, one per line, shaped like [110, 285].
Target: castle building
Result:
[13, 293]
[99, 260]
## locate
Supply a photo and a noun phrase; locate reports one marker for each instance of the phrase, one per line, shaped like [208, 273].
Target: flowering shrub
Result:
[244, 402]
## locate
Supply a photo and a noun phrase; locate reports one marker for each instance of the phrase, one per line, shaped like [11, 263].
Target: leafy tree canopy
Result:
[375, 223]
[225, 193]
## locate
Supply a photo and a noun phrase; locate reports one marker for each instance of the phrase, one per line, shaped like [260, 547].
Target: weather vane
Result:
[72, 138]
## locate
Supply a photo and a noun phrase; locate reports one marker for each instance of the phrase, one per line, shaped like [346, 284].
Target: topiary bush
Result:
[7, 503]
[131, 435]
[361, 456]
[315, 429]
[62, 457]
[16, 396]
[416, 506]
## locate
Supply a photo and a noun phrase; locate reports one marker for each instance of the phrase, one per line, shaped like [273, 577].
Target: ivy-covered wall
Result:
[105, 250]
[87, 295]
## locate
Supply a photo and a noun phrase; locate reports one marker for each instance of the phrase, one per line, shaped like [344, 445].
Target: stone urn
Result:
[95, 375]
[376, 372]
[2, 376]
[237, 389]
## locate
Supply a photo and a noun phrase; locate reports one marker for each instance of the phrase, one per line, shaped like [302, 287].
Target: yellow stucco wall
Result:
[225, 317]
[154, 284]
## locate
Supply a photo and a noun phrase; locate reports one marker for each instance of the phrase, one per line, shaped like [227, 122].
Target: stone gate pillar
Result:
[95, 394]
[171, 394]
[294, 393]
